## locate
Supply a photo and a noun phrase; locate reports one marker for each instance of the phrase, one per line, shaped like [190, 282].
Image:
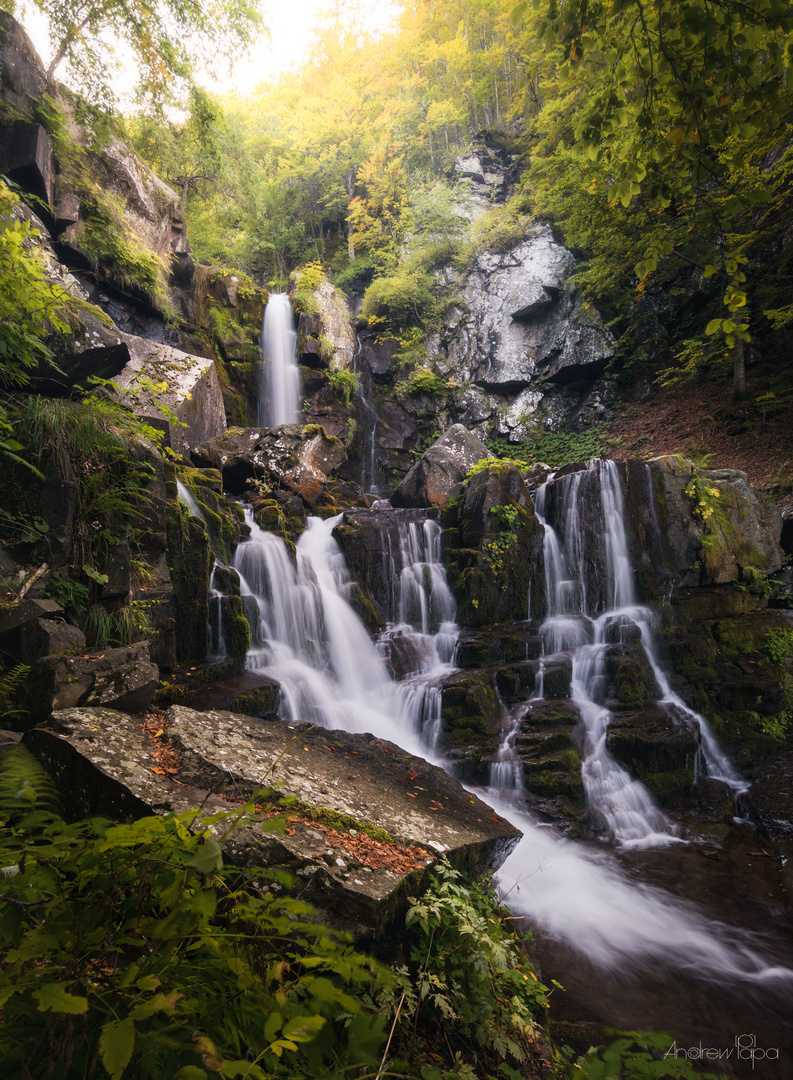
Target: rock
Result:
[657, 748]
[14, 620]
[297, 458]
[160, 377]
[47, 637]
[26, 158]
[441, 470]
[116, 678]
[379, 355]
[22, 75]
[493, 543]
[522, 325]
[732, 537]
[102, 764]
[327, 338]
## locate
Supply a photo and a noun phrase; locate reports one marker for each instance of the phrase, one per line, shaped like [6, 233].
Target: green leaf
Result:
[116, 1044]
[148, 982]
[54, 997]
[190, 1072]
[303, 1028]
[709, 271]
[207, 856]
[712, 327]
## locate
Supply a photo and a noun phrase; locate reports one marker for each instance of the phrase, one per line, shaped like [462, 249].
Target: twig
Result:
[32, 580]
[390, 1036]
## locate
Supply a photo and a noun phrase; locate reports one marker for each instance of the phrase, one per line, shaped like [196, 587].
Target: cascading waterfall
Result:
[279, 383]
[624, 804]
[306, 635]
[369, 418]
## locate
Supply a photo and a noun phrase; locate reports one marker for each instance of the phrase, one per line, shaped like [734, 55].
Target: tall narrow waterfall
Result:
[279, 383]
[368, 418]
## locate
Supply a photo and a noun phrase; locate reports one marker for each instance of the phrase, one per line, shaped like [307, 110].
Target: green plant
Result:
[133, 946]
[70, 594]
[307, 281]
[467, 987]
[634, 1055]
[778, 645]
[423, 381]
[11, 682]
[557, 448]
[344, 382]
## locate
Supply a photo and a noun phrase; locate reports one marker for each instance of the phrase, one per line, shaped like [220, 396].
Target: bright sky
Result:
[292, 26]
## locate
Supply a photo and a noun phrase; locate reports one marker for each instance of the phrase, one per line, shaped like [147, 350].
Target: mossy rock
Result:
[470, 712]
[261, 702]
[188, 558]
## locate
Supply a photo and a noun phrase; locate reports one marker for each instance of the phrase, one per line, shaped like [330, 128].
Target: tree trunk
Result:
[738, 372]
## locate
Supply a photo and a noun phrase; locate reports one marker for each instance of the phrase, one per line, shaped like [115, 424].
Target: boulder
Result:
[718, 529]
[22, 75]
[174, 390]
[351, 791]
[26, 158]
[122, 678]
[379, 355]
[327, 338]
[48, 637]
[441, 470]
[14, 622]
[493, 543]
[297, 458]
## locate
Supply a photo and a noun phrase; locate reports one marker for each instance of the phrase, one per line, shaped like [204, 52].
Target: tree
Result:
[168, 39]
[670, 98]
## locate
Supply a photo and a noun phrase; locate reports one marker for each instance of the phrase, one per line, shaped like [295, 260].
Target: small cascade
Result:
[217, 642]
[279, 384]
[590, 598]
[369, 417]
[187, 499]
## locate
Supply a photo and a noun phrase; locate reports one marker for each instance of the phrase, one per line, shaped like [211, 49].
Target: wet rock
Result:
[120, 678]
[102, 764]
[441, 470]
[379, 355]
[483, 648]
[659, 748]
[297, 458]
[547, 747]
[493, 548]
[470, 712]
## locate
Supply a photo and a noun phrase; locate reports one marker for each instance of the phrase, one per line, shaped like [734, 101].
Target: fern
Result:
[10, 685]
[28, 796]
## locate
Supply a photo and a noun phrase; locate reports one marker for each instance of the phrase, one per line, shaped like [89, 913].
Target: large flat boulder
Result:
[348, 787]
[178, 392]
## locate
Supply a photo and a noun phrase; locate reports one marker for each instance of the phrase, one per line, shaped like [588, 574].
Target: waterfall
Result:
[307, 637]
[279, 383]
[187, 499]
[369, 418]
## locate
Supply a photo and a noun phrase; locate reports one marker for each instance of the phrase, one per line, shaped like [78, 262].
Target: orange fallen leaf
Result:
[160, 772]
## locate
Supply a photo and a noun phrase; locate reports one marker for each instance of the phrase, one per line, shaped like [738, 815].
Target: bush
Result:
[401, 300]
[133, 946]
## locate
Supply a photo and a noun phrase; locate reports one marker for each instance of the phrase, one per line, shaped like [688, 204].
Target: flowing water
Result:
[187, 500]
[591, 906]
[279, 383]
[368, 418]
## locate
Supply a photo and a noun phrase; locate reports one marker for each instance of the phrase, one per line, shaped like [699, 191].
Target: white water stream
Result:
[279, 384]
[308, 638]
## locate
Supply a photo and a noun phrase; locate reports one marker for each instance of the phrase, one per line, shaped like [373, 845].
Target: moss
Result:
[236, 632]
[261, 702]
[187, 555]
[169, 695]
[334, 819]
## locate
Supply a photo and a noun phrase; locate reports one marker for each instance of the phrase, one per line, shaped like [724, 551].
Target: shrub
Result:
[401, 300]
